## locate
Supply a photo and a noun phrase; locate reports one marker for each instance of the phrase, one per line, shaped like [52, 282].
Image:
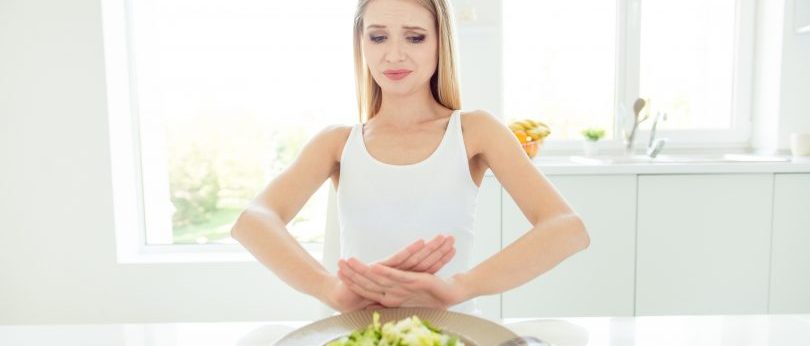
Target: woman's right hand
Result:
[427, 257]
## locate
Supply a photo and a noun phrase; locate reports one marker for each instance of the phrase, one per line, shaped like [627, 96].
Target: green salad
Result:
[410, 331]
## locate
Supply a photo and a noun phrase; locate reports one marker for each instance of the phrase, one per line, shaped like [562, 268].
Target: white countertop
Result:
[580, 165]
[721, 330]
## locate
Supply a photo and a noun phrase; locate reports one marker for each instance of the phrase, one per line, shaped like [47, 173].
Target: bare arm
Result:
[557, 233]
[261, 228]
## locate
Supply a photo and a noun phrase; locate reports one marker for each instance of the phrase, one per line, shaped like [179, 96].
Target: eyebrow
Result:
[378, 26]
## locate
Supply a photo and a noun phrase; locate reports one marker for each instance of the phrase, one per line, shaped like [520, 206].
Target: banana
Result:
[516, 127]
[538, 133]
[526, 124]
[538, 130]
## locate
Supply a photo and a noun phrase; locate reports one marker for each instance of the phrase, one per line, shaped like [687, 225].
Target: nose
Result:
[395, 52]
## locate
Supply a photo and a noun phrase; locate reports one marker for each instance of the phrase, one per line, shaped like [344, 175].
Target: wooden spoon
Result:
[638, 106]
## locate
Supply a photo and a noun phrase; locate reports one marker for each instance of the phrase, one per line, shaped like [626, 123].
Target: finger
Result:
[358, 278]
[429, 248]
[380, 279]
[365, 273]
[400, 276]
[374, 306]
[404, 254]
[442, 262]
[434, 257]
[407, 256]
[369, 295]
[349, 277]
[363, 292]
[364, 304]
[344, 278]
[365, 276]
[370, 280]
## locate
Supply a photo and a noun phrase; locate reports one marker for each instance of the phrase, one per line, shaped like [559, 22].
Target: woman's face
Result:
[399, 45]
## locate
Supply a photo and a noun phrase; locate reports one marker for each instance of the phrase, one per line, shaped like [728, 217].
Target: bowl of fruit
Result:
[530, 133]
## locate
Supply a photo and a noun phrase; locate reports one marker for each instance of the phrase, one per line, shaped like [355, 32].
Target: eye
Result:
[376, 39]
[417, 39]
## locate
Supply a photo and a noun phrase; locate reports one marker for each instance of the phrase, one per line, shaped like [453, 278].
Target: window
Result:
[217, 99]
[559, 63]
[688, 71]
[577, 64]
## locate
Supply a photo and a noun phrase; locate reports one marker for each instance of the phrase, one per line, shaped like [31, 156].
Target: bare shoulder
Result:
[479, 117]
[502, 153]
[483, 130]
[332, 138]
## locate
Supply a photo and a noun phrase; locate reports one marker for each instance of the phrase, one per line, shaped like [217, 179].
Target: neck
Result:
[405, 110]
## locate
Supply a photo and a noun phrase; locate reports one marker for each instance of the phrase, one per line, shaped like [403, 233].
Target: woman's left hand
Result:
[394, 288]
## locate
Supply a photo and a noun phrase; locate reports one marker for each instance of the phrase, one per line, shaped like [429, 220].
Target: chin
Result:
[393, 88]
[396, 89]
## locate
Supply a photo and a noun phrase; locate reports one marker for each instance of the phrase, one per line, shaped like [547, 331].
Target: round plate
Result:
[471, 329]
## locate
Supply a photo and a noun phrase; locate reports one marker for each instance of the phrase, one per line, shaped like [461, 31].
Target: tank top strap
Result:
[456, 140]
[349, 153]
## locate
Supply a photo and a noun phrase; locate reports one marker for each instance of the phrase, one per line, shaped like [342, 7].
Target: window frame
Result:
[129, 206]
[126, 157]
[627, 84]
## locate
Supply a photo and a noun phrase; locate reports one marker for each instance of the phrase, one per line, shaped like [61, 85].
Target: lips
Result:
[397, 74]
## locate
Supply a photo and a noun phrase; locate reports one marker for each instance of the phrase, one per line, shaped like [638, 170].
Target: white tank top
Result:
[384, 207]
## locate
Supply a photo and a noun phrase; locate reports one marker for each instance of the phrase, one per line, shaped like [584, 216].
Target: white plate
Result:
[471, 329]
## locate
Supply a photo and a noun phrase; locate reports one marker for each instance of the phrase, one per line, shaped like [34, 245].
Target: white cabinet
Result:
[597, 281]
[660, 244]
[703, 244]
[790, 262]
[487, 242]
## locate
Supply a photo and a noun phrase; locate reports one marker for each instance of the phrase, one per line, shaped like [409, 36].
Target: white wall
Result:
[57, 259]
[57, 246]
[480, 56]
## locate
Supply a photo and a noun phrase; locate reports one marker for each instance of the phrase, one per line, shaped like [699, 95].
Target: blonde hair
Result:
[444, 82]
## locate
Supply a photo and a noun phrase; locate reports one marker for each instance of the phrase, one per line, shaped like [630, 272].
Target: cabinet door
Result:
[594, 282]
[487, 242]
[703, 244]
[790, 252]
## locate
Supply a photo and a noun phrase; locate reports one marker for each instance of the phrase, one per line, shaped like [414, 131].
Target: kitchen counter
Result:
[669, 164]
[731, 330]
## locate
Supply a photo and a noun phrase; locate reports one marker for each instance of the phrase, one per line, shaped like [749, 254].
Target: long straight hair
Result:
[444, 82]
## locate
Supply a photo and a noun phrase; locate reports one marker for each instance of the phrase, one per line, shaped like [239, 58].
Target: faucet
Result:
[656, 145]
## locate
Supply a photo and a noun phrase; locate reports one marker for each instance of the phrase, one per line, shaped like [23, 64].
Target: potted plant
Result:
[592, 137]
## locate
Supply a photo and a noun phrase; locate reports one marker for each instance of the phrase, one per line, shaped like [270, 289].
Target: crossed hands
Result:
[406, 279]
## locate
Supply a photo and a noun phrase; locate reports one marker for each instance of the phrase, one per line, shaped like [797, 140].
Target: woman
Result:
[410, 170]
